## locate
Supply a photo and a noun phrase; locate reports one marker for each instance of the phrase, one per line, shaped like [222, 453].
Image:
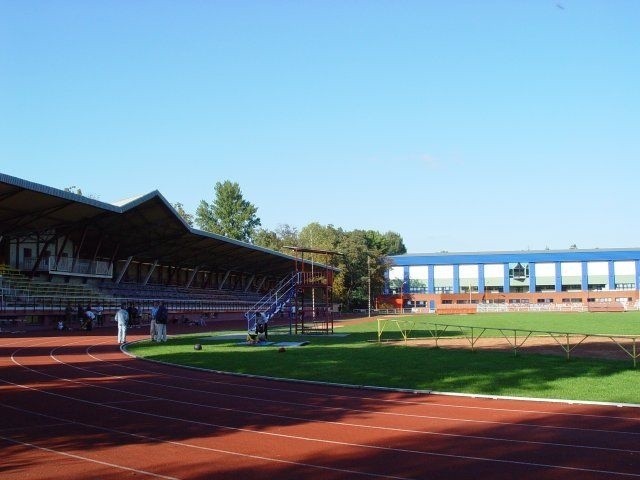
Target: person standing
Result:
[122, 317]
[98, 311]
[162, 315]
[89, 319]
[152, 323]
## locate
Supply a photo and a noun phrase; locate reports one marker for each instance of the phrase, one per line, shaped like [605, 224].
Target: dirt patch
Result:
[578, 346]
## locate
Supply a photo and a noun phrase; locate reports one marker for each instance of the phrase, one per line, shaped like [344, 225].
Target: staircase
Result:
[273, 302]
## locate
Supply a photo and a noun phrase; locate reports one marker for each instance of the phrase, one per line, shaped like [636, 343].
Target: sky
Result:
[461, 125]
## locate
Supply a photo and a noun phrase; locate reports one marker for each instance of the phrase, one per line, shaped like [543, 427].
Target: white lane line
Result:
[157, 440]
[343, 409]
[87, 459]
[167, 418]
[340, 443]
[392, 401]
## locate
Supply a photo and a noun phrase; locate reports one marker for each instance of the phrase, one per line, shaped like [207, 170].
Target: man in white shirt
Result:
[122, 317]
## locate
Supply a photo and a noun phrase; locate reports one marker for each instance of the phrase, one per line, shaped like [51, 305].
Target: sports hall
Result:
[75, 405]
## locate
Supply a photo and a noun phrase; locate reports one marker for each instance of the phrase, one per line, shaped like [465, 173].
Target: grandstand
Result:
[59, 249]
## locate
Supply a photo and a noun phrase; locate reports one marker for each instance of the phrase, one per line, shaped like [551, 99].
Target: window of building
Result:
[519, 272]
[571, 288]
[447, 289]
[545, 288]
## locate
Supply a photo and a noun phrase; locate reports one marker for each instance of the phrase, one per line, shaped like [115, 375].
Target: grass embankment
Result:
[357, 359]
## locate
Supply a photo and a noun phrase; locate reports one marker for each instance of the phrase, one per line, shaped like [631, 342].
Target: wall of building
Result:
[567, 276]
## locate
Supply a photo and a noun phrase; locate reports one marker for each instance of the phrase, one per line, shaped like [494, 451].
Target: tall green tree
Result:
[393, 244]
[320, 237]
[283, 236]
[362, 260]
[229, 214]
[187, 217]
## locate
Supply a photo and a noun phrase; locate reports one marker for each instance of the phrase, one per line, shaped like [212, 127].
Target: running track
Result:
[76, 407]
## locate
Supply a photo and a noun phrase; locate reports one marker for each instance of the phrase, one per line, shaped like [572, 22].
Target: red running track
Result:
[76, 407]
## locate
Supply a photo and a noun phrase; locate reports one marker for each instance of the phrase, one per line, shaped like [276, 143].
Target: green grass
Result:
[357, 359]
[627, 323]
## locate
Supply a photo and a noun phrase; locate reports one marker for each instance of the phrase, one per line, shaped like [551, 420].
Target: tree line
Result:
[362, 258]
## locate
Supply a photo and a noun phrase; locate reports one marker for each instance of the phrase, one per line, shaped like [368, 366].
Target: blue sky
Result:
[462, 125]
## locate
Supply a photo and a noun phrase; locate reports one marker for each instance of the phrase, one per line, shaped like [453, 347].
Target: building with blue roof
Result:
[573, 276]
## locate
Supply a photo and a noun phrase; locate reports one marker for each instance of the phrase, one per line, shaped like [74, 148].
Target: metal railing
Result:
[272, 301]
[515, 338]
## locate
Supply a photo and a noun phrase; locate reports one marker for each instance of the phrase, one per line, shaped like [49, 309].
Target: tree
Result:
[187, 217]
[394, 243]
[283, 236]
[78, 191]
[319, 237]
[73, 189]
[229, 214]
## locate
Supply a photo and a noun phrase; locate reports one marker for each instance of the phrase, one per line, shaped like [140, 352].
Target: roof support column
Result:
[76, 255]
[249, 283]
[41, 252]
[61, 250]
[193, 276]
[264, 279]
[124, 269]
[150, 272]
[224, 280]
[95, 253]
[481, 286]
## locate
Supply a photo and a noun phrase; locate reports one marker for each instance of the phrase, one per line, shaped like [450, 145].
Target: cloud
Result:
[429, 161]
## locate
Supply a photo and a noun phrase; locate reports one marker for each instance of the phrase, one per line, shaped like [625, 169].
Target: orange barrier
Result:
[456, 309]
[605, 307]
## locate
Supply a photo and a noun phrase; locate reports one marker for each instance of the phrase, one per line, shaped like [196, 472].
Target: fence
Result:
[515, 338]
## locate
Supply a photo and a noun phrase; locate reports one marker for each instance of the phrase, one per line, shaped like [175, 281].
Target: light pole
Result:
[369, 282]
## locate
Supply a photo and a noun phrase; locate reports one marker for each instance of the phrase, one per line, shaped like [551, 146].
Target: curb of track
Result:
[124, 350]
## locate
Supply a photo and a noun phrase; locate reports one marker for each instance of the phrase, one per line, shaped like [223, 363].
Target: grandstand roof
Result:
[146, 228]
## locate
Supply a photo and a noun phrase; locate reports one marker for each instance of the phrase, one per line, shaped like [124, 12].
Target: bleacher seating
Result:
[22, 294]
[20, 291]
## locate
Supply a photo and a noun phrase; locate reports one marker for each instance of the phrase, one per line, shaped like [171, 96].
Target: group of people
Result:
[87, 317]
[125, 317]
[158, 324]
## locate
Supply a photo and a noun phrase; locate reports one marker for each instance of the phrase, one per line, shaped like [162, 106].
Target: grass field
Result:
[354, 357]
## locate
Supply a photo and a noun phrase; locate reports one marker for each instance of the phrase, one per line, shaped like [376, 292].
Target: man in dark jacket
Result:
[162, 315]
